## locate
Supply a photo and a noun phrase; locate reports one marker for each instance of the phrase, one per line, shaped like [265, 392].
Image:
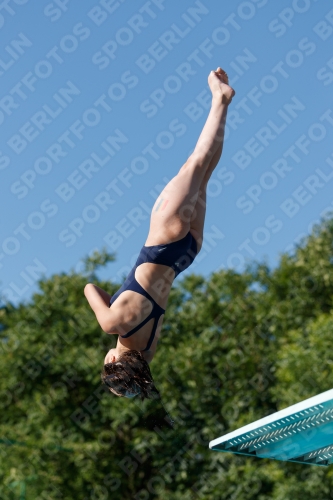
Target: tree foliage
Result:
[234, 348]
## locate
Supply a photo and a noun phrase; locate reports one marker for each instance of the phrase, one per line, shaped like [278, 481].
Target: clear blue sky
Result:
[103, 101]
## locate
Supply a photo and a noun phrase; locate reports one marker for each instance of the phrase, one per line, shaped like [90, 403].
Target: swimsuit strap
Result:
[152, 335]
[155, 313]
[136, 328]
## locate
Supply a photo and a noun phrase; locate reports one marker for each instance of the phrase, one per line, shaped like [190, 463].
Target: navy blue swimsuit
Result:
[178, 255]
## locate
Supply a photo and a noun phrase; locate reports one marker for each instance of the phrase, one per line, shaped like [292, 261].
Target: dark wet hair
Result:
[130, 376]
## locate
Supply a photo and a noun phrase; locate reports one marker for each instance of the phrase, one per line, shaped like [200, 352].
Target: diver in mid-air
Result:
[135, 312]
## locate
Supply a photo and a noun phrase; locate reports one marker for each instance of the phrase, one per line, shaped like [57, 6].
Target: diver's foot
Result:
[219, 85]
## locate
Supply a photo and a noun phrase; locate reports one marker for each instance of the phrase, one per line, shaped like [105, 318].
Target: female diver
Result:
[175, 237]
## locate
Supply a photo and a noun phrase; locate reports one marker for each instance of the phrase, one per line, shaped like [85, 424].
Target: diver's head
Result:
[128, 374]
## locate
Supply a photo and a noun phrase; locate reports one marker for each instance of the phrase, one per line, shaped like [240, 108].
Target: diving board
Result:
[301, 433]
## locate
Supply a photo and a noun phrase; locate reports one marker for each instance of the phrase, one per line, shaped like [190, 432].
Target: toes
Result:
[220, 72]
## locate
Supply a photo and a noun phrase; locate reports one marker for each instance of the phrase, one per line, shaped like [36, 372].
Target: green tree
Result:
[234, 348]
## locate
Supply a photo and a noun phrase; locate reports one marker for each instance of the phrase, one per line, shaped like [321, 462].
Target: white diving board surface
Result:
[301, 433]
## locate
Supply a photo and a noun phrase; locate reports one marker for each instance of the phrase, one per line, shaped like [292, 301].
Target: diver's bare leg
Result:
[173, 211]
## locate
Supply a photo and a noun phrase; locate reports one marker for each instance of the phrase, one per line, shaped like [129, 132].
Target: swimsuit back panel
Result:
[178, 255]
